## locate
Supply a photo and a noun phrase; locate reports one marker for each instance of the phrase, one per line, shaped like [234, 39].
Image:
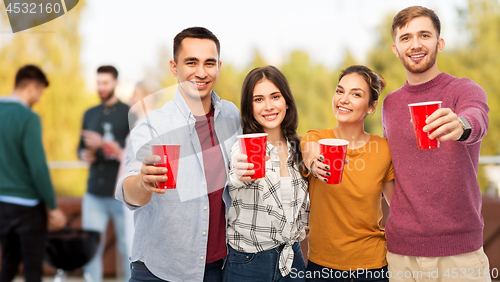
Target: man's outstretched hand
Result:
[446, 125]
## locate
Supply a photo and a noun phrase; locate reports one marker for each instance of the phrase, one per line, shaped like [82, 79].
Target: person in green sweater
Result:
[27, 199]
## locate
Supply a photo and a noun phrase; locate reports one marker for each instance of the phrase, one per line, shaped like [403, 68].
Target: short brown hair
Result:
[406, 15]
[194, 32]
[108, 69]
[28, 74]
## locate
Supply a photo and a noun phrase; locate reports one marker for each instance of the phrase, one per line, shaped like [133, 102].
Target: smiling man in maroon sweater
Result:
[435, 228]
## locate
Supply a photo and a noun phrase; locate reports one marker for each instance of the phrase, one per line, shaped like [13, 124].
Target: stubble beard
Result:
[419, 67]
[107, 97]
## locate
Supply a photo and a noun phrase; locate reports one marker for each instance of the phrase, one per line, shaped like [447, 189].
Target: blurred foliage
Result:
[312, 84]
[55, 47]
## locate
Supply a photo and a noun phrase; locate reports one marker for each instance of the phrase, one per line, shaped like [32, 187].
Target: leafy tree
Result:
[55, 47]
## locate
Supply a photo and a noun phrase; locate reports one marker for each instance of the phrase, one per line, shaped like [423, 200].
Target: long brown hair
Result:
[291, 120]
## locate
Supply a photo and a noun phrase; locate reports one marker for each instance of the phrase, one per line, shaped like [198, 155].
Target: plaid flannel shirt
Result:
[256, 219]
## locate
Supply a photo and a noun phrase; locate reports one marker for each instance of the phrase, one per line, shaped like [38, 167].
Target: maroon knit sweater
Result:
[436, 206]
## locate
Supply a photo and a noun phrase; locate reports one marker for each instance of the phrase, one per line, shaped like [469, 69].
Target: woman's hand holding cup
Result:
[243, 169]
[318, 168]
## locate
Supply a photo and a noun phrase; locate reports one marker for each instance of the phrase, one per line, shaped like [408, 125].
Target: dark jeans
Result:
[23, 231]
[139, 272]
[261, 266]
[315, 273]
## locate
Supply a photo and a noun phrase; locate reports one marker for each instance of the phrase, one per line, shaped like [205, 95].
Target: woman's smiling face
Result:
[351, 100]
[269, 105]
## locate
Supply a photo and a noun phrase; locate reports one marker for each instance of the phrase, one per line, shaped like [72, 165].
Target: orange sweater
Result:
[345, 219]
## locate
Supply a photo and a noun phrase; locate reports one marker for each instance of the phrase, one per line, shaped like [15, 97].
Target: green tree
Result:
[55, 47]
[382, 60]
[312, 87]
[481, 61]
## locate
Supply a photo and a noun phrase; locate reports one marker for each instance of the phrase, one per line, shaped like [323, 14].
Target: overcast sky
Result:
[129, 34]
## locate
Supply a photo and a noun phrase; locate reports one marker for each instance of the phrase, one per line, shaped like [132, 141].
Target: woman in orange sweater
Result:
[346, 239]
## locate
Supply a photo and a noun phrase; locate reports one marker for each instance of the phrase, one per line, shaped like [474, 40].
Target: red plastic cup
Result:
[419, 113]
[170, 159]
[334, 151]
[109, 151]
[254, 146]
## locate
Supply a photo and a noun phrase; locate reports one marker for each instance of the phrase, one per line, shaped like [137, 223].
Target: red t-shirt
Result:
[215, 175]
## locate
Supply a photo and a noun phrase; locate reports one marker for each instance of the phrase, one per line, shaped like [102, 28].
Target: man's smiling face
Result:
[197, 64]
[417, 45]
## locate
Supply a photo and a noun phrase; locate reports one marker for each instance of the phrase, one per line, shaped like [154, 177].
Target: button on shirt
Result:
[171, 230]
[213, 161]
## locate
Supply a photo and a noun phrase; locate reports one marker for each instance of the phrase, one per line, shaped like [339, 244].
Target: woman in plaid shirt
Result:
[265, 219]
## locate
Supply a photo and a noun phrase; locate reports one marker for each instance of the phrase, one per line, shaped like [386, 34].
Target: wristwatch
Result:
[466, 127]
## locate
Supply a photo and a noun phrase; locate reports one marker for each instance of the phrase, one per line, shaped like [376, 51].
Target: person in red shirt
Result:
[435, 228]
